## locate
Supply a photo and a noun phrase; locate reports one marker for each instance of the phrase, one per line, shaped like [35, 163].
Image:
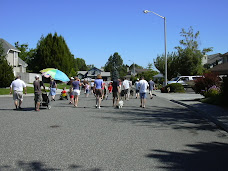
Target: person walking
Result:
[151, 88]
[71, 92]
[126, 87]
[143, 85]
[98, 83]
[17, 87]
[87, 89]
[53, 88]
[76, 90]
[137, 88]
[115, 92]
[37, 84]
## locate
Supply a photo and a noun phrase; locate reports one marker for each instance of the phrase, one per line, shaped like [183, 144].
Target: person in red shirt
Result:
[64, 94]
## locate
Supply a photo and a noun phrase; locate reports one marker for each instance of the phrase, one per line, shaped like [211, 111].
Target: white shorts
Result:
[76, 92]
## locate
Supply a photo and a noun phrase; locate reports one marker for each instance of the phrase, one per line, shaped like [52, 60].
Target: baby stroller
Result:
[45, 100]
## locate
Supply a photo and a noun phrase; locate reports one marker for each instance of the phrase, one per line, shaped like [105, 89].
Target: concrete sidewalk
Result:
[216, 114]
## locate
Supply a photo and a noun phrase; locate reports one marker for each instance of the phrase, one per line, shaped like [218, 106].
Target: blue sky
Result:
[95, 29]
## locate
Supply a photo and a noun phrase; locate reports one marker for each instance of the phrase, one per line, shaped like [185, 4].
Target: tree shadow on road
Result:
[159, 117]
[40, 166]
[201, 156]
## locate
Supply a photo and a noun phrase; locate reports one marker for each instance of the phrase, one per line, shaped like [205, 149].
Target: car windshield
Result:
[175, 79]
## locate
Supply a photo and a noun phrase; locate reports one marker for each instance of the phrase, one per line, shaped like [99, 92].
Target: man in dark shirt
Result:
[37, 92]
[151, 88]
[115, 92]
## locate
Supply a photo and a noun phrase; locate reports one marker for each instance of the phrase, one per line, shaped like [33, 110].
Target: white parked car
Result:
[183, 80]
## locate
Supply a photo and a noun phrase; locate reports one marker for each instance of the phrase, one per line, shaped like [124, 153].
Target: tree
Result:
[6, 74]
[115, 66]
[136, 66]
[80, 64]
[90, 66]
[187, 60]
[147, 75]
[53, 52]
[172, 64]
[190, 57]
[26, 54]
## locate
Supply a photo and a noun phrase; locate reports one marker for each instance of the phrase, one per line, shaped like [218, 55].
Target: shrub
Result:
[176, 88]
[203, 84]
[213, 91]
[164, 90]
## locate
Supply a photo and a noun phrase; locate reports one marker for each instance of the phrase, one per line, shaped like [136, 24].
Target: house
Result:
[92, 74]
[134, 72]
[213, 60]
[11, 54]
[222, 69]
[159, 77]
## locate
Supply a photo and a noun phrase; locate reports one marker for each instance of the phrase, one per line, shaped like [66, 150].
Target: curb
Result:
[204, 114]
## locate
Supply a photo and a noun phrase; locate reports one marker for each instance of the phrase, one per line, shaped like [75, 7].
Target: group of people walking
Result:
[121, 90]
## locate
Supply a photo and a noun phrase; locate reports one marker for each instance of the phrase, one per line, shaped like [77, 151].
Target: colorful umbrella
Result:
[45, 70]
[55, 74]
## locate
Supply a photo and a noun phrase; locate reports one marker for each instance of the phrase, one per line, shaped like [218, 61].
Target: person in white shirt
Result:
[17, 87]
[126, 87]
[143, 86]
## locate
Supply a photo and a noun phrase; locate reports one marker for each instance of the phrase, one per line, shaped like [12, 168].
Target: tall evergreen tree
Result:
[53, 52]
[6, 74]
[115, 66]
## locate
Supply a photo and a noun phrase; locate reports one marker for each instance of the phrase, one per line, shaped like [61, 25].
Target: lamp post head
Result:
[145, 11]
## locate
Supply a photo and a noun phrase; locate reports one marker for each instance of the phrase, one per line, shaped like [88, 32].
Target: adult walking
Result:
[17, 87]
[151, 88]
[143, 86]
[115, 92]
[126, 87]
[137, 88]
[76, 90]
[37, 84]
[53, 88]
[98, 83]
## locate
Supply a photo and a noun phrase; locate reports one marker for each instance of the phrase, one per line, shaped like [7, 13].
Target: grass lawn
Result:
[59, 86]
[5, 91]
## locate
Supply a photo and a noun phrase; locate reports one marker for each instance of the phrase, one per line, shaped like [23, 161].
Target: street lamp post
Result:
[146, 11]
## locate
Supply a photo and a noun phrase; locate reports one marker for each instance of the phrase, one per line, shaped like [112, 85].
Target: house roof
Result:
[141, 70]
[82, 72]
[213, 58]
[7, 46]
[21, 62]
[225, 54]
[160, 75]
[221, 69]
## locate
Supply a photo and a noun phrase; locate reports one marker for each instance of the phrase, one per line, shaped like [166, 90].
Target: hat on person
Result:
[99, 76]
[137, 79]
[37, 76]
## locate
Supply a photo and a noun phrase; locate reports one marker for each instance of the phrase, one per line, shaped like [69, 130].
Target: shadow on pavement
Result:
[40, 166]
[158, 117]
[201, 156]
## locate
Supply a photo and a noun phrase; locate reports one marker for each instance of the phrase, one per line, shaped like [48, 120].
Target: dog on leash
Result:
[120, 104]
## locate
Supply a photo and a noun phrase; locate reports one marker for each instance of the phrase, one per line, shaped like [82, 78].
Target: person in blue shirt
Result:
[76, 90]
[98, 83]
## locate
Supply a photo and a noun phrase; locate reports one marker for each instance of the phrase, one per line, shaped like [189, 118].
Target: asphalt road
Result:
[163, 136]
